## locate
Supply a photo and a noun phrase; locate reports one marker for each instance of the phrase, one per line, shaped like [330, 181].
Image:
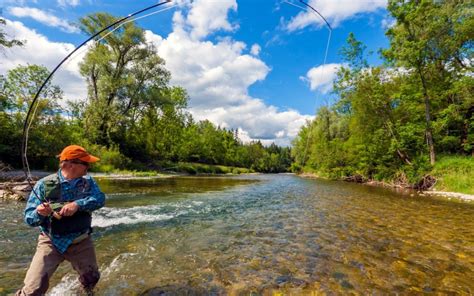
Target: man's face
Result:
[76, 168]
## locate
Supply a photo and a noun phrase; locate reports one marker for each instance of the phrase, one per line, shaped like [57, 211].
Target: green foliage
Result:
[411, 174]
[388, 122]
[433, 39]
[126, 80]
[48, 130]
[354, 53]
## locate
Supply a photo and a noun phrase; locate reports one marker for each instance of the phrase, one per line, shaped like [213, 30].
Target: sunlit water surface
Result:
[260, 235]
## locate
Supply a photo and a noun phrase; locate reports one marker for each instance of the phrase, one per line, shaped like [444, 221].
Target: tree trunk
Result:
[428, 132]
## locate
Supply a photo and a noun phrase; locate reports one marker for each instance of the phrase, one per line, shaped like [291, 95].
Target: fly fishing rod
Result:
[33, 106]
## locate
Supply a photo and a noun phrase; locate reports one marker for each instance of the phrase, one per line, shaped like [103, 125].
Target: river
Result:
[261, 234]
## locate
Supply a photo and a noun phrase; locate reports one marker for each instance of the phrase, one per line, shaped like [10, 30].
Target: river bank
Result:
[411, 191]
[13, 186]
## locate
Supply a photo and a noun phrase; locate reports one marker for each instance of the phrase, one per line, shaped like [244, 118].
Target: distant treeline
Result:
[393, 122]
[132, 118]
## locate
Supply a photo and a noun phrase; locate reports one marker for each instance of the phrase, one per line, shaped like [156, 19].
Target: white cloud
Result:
[255, 49]
[256, 120]
[44, 18]
[322, 77]
[334, 11]
[206, 17]
[68, 2]
[217, 76]
[41, 51]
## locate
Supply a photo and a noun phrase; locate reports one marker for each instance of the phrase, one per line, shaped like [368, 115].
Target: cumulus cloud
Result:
[217, 76]
[255, 120]
[44, 18]
[41, 51]
[334, 11]
[206, 17]
[321, 77]
[255, 49]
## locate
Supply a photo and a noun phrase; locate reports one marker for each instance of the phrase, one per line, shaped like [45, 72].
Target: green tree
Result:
[48, 130]
[125, 77]
[432, 39]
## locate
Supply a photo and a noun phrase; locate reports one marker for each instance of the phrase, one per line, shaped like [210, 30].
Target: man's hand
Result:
[44, 209]
[69, 209]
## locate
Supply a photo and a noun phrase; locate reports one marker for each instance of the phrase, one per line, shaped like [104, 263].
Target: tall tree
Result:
[431, 38]
[125, 76]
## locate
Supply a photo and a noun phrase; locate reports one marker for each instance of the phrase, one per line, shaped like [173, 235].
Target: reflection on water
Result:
[283, 233]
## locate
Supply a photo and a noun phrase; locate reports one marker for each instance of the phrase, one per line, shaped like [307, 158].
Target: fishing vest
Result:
[81, 220]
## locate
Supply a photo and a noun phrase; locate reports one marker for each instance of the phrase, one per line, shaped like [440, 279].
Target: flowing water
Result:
[262, 234]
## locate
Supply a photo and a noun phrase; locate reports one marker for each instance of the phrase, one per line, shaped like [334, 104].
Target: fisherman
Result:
[61, 205]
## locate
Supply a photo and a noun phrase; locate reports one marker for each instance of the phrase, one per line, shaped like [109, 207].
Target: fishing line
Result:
[312, 9]
[32, 108]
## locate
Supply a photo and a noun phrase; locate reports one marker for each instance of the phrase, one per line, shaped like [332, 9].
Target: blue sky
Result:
[256, 66]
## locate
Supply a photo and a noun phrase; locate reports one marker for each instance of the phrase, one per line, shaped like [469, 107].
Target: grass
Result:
[454, 174]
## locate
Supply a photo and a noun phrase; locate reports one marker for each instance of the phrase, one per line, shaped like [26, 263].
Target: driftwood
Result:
[355, 178]
[426, 183]
[401, 181]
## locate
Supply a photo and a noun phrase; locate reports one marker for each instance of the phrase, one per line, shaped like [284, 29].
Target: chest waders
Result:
[80, 221]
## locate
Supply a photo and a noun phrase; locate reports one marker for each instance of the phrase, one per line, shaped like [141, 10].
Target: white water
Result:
[107, 217]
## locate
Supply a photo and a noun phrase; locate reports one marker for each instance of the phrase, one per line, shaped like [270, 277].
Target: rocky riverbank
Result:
[448, 195]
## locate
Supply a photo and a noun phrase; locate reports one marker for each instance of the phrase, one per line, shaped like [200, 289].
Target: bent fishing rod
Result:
[29, 119]
[315, 11]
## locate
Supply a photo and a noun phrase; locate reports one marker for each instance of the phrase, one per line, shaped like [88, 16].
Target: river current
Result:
[260, 235]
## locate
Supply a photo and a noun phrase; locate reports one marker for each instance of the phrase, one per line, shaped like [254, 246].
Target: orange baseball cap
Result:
[77, 152]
